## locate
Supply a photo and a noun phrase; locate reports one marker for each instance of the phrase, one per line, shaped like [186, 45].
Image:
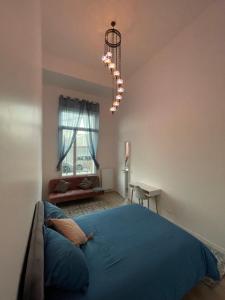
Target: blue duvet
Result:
[138, 255]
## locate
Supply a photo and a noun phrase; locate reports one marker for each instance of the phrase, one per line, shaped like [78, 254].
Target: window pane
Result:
[68, 162]
[67, 118]
[84, 162]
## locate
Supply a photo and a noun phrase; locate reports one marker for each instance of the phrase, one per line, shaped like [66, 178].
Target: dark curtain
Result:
[74, 115]
[69, 118]
[91, 123]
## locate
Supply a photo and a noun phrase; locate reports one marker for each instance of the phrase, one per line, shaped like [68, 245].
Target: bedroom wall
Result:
[20, 132]
[106, 145]
[174, 117]
[74, 69]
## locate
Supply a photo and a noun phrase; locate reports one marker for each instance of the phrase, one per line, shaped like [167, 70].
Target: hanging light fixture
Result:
[112, 59]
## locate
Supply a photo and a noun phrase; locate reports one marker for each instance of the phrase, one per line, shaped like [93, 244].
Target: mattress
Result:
[138, 255]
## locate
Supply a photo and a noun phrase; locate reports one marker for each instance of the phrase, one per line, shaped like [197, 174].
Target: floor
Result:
[102, 202]
[203, 292]
[112, 199]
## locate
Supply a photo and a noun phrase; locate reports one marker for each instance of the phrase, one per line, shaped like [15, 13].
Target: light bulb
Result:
[104, 58]
[120, 90]
[108, 61]
[118, 97]
[112, 66]
[116, 103]
[119, 81]
[113, 108]
[116, 73]
[109, 54]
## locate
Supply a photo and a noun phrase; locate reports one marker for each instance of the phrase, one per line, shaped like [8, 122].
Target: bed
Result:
[138, 255]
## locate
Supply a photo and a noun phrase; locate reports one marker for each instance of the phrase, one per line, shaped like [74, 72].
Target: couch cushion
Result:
[74, 182]
[86, 184]
[71, 195]
[62, 186]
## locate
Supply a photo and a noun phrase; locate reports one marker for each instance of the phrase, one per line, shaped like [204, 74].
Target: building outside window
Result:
[78, 160]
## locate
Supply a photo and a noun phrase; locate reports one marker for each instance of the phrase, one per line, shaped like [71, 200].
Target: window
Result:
[78, 161]
[77, 136]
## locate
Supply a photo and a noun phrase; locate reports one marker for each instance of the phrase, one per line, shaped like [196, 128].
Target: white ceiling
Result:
[77, 84]
[74, 29]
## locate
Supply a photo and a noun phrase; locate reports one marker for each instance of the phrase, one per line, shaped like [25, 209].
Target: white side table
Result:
[150, 192]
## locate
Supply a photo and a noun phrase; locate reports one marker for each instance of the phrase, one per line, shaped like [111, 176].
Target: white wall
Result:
[174, 117]
[106, 145]
[20, 134]
[74, 69]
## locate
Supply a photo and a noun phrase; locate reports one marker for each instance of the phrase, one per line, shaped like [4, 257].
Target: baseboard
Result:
[119, 194]
[206, 241]
[200, 237]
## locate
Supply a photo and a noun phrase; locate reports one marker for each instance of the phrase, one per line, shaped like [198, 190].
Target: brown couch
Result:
[74, 192]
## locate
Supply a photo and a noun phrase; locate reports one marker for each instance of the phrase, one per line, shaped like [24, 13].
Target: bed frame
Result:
[31, 285]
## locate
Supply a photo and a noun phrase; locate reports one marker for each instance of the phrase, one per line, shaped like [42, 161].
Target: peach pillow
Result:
[70, 229]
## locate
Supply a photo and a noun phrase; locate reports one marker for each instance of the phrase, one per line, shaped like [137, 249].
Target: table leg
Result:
[148, 203]
[156, 205]
[132, 192]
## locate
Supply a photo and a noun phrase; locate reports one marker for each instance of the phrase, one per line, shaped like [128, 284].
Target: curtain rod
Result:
[70, 98]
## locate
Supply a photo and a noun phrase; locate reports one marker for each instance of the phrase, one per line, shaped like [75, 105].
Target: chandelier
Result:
[112, 60]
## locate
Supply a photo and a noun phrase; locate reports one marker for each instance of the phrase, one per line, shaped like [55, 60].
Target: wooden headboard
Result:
[31, 285]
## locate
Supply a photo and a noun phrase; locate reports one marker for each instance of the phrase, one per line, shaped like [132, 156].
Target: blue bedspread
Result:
[138, 255]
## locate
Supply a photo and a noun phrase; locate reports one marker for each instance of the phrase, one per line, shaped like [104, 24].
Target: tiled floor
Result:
[109, 200]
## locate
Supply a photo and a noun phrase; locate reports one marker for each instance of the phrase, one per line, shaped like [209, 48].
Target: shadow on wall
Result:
[168, 205]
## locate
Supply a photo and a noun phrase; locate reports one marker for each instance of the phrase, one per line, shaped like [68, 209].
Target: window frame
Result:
[75, 151]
